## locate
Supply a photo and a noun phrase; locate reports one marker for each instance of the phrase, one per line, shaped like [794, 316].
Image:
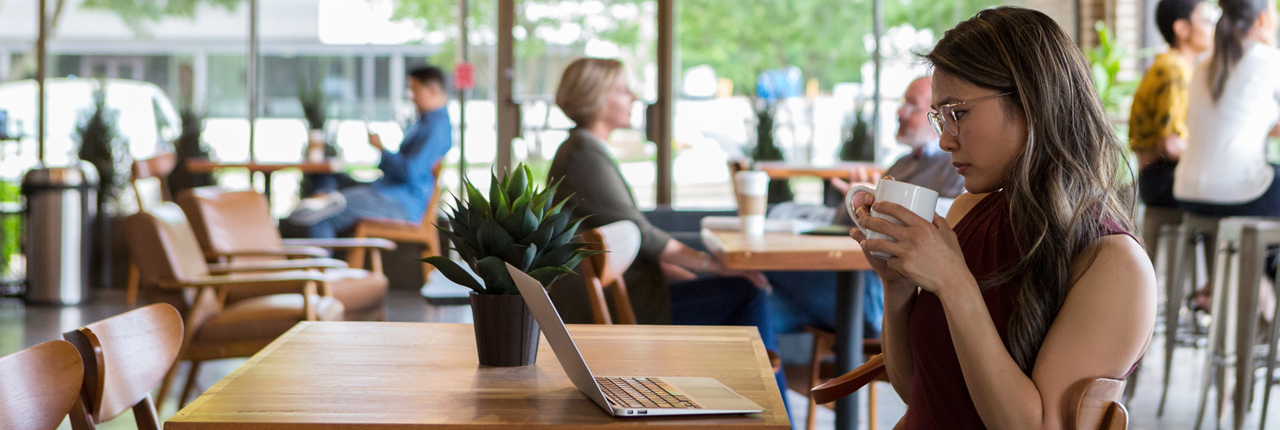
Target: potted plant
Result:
[766, 149]
[189, 146]
[101, 145]
[314, 104]
[858, 143]
[520, 225]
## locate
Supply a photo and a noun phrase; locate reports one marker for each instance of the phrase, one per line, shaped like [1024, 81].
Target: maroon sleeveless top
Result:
[939, 396]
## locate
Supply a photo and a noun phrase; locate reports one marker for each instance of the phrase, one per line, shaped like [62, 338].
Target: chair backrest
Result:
[125, 357]
[433, 205]
[1099, 407]
[620, 242]
[39, 386]
[158, 167]
[163, 247]
[226, 222]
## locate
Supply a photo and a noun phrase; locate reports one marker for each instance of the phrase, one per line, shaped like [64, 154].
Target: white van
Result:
[146, 119]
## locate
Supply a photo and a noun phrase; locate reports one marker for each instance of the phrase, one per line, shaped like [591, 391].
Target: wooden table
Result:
[786, 251]
[307, 167]
[369, 375]
[784, 170]
[830, 197]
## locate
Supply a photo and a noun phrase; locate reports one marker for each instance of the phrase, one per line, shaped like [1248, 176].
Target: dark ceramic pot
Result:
[506, 333]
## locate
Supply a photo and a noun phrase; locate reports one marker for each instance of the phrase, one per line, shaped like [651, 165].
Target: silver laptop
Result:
[627, 396]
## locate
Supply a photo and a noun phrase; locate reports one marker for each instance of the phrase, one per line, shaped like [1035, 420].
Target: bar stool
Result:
[1237, 279]
[1195, 230]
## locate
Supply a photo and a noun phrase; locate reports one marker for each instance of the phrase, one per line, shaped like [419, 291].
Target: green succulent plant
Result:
[518, 224]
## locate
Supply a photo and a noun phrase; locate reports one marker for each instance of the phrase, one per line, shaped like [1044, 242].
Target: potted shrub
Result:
[314, 103]
[189, 146]
[766, 149]
[100, 144]
[520, 225]
[858, 143]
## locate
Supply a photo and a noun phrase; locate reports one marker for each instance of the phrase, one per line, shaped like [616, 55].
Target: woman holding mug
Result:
[1040, 287]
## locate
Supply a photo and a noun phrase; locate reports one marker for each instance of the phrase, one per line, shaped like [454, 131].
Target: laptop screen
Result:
[558, 336]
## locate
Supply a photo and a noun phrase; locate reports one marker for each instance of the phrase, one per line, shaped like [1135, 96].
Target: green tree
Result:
[824, 38]
[139, 15]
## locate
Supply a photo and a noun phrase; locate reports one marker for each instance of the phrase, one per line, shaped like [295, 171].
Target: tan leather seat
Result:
[237, 226]
[172, 270]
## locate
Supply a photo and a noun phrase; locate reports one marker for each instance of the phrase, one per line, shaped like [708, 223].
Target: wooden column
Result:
[666, 73]
[508, 111]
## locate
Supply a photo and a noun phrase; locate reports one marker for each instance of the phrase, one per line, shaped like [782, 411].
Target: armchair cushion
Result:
[265, 318]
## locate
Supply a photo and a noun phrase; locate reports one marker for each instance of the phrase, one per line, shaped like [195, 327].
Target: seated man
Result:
[808, 298]
[407, 182]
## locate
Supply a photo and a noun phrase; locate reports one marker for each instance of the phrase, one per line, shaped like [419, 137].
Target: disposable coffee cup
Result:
[751, 187]
[919, 200]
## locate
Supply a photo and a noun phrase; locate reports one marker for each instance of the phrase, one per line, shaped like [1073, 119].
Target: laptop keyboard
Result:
[644, 393]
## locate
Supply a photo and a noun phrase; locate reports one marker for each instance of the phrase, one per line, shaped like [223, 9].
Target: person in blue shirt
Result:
[407, 181]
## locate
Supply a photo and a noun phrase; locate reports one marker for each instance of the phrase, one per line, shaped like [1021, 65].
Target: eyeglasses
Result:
[945, 117]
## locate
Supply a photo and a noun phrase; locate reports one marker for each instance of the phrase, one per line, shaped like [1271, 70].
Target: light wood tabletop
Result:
[784, 170]
[784, 251]
[368, 375]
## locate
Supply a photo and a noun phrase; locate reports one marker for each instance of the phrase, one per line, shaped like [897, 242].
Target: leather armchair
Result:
[171, 270]
[235, 228]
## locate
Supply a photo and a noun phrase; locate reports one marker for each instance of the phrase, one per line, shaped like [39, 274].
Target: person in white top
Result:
[1235, 105]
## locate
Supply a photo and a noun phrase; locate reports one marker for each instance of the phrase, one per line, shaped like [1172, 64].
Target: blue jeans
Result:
[725, 301]
[362, 202]
[809, 298]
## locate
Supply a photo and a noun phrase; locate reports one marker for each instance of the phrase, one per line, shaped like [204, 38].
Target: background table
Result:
[787, 251]
[418, 375]
[830, 196]
[307, 167]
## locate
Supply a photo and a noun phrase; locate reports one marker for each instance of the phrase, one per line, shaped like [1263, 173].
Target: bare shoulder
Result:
[962, 205]
[1118, 257]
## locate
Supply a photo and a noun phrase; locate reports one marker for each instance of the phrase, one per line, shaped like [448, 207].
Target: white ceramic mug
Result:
[752, 188]
[919, 200]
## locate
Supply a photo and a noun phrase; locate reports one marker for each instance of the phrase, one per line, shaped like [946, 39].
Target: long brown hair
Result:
[1233, 27]
[1063, 187]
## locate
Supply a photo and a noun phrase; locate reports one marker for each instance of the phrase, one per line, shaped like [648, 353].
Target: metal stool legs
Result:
[1194, 230]
[1216, 360]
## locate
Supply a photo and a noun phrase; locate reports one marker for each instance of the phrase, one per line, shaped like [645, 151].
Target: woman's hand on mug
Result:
[927, 252]
[891, 278]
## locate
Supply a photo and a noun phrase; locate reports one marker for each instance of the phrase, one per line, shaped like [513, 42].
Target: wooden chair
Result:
[39, 386]
[423, 232]
[173, 271]
[125, 357]
[620, 242]
[1098, 404]
[824, 343]
[235, 228]
[158, 168]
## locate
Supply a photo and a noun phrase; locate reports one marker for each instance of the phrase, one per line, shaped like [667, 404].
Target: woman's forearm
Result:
[680, 255]
[895, 339]
[1005, 397]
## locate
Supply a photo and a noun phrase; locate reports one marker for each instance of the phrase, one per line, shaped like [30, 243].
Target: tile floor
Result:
[23, 326]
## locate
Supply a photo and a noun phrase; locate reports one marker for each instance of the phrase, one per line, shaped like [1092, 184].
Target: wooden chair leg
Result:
[871, 406]
[79, 416]
[131, 288]
[191, 381]
[144, 414]
[427, 268]
[166, 383]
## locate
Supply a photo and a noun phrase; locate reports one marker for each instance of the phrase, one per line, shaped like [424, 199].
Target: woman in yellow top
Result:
[1158, 120]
